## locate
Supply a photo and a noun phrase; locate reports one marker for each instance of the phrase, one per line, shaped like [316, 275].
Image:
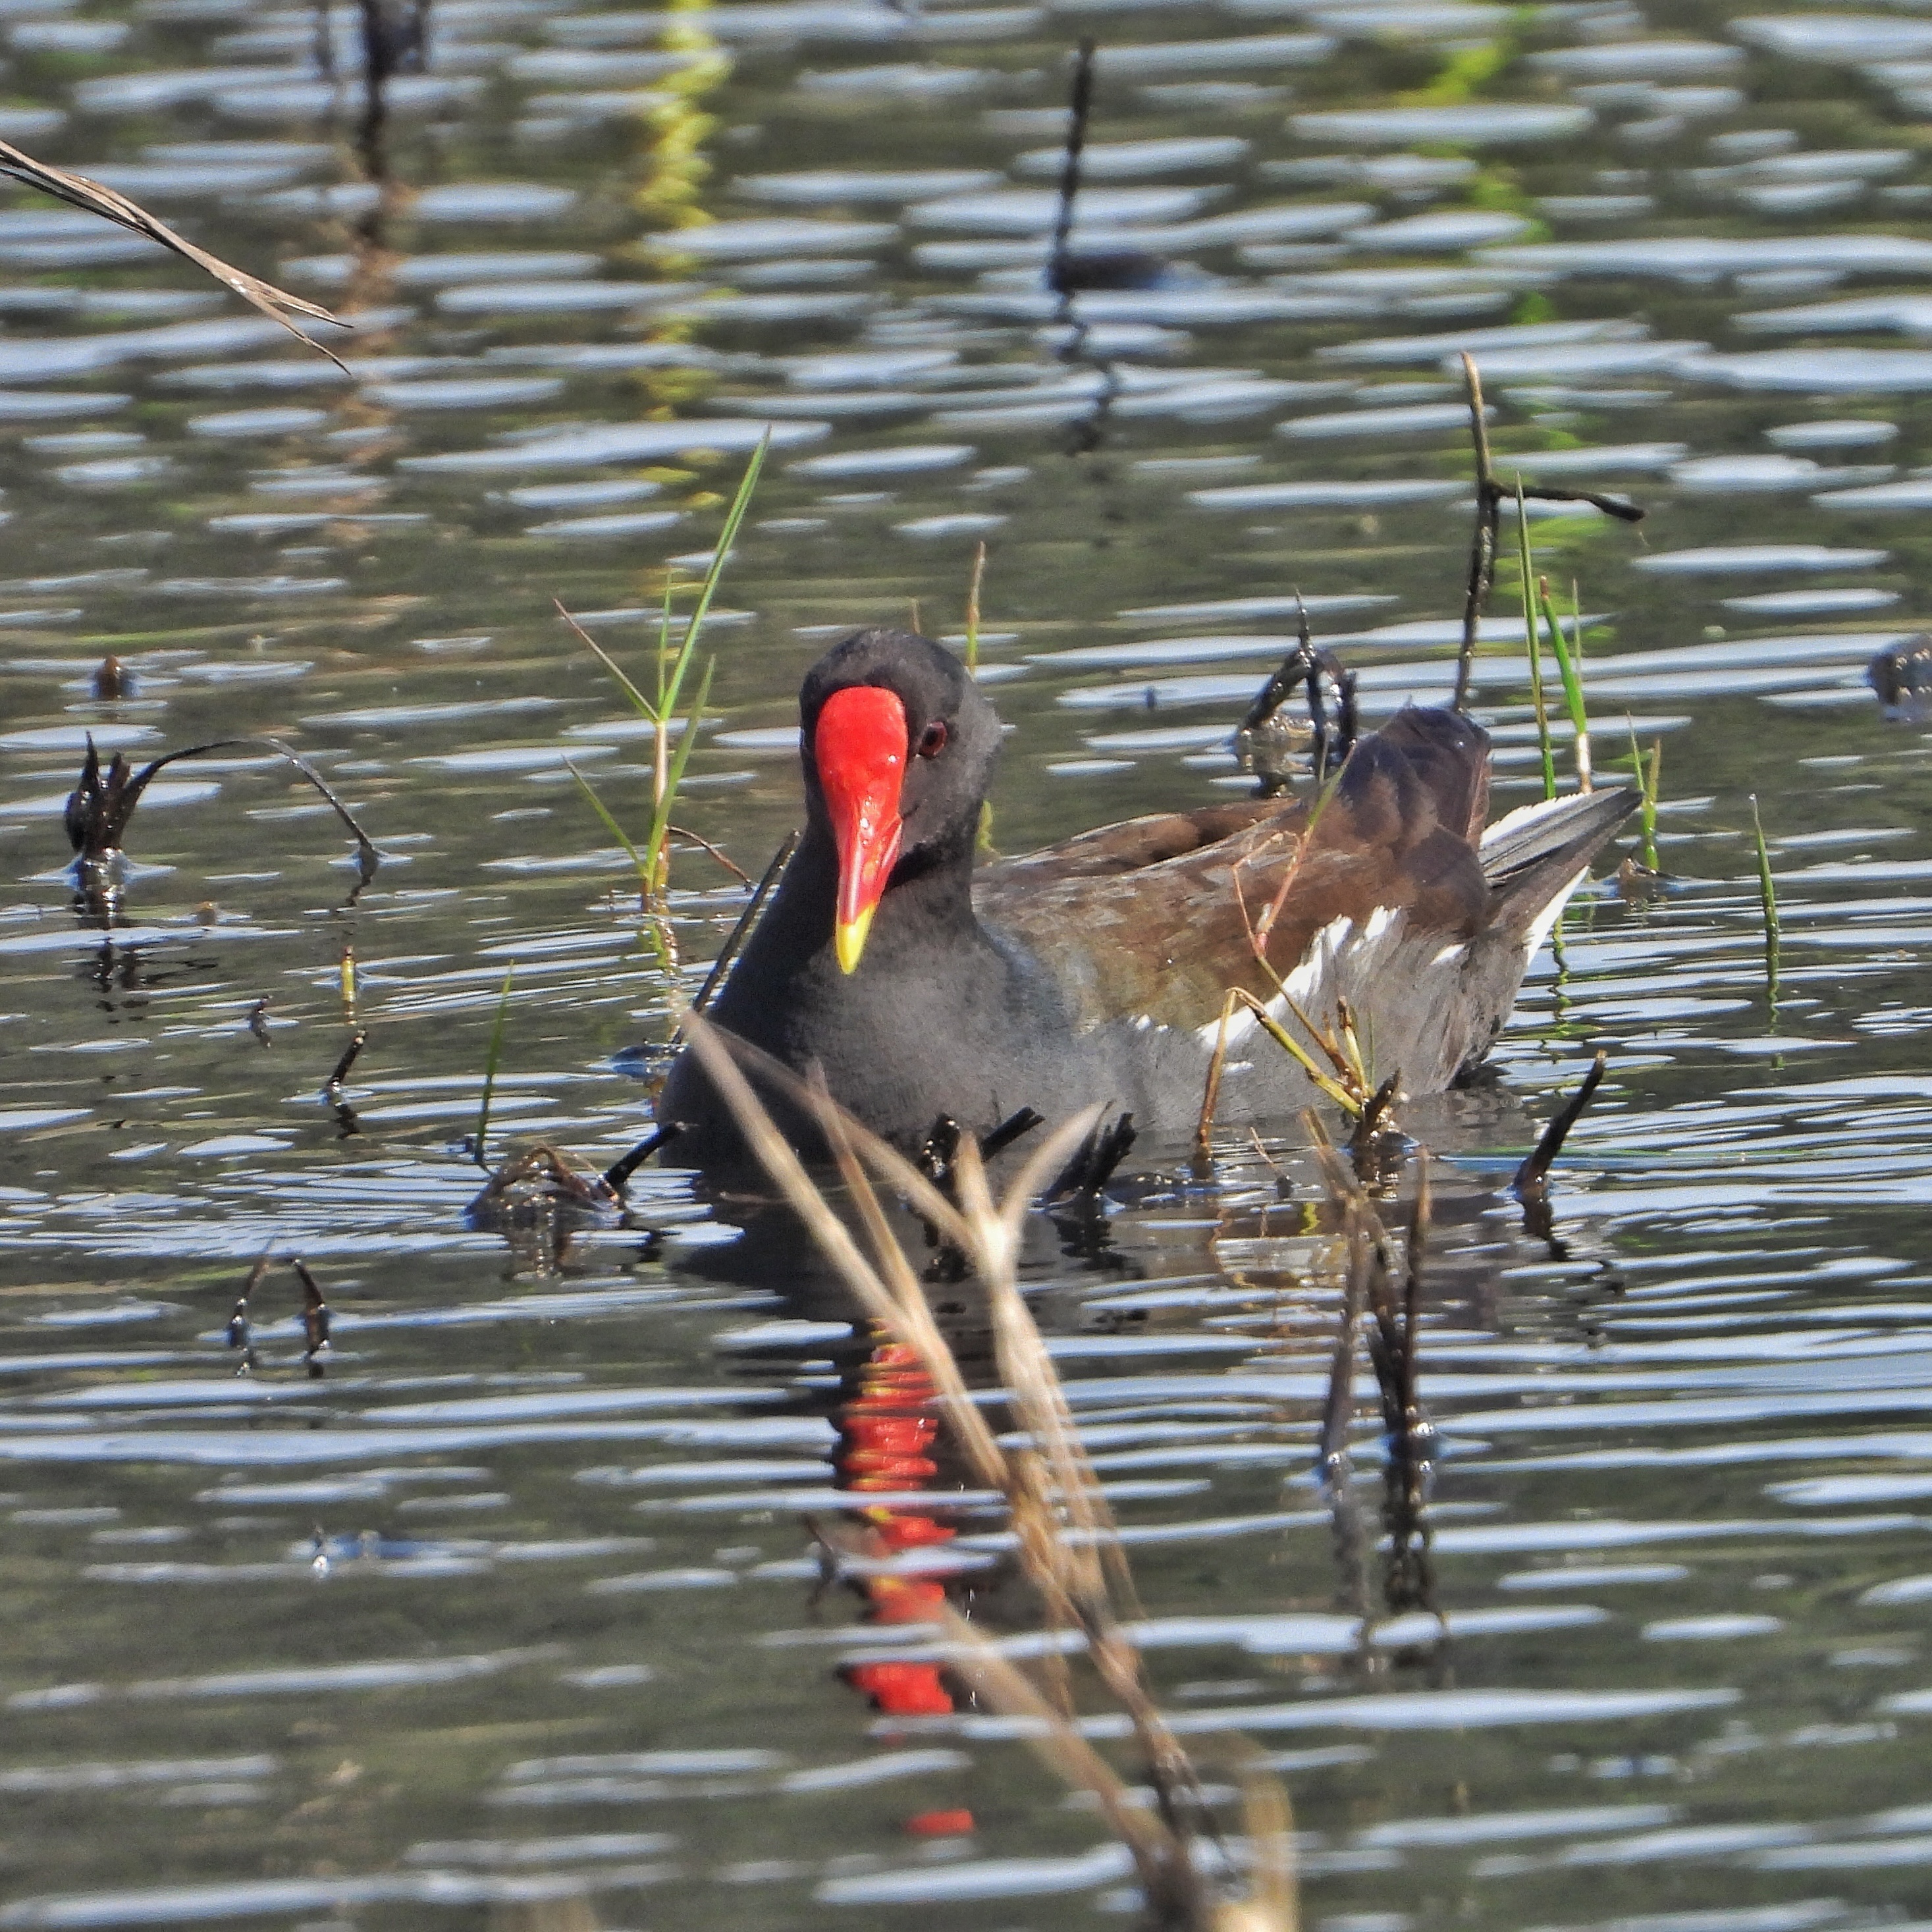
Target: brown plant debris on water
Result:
[102, 803]
[1067, 1546]
[537, 1201]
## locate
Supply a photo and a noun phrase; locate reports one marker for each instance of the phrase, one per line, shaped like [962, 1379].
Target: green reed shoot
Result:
[1569, 657]
[972, 608]
[673, 673]
[616, 832]
[1767, 897]
[1645, 773]
[480, 1144]
[1531, 638]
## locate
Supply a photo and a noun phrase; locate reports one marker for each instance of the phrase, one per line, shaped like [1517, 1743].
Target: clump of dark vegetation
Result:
[1902, 677]
[102, 803]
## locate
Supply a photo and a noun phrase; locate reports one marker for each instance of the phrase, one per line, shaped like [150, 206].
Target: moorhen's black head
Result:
[898, 746]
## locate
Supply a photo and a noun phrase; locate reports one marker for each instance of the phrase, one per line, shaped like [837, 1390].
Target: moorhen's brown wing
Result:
[1154, 917]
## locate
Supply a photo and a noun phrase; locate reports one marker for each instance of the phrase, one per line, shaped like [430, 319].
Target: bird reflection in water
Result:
[887, 1432]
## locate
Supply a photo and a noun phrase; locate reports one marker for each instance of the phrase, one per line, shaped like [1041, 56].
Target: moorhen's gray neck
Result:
[926, 909]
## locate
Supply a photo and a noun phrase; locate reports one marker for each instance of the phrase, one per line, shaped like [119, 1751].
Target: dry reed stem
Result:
[1160, 1856]
[1064, 1532]
[1482, 542]
[1210, 1093]
[909, 1320]
[92, 198]
[1274, 1904]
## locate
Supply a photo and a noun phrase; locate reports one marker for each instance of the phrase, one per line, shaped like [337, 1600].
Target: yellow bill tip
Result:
[849, 939]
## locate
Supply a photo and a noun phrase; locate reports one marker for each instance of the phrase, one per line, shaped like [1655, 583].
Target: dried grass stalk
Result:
[1065, 1533]
[92, 198]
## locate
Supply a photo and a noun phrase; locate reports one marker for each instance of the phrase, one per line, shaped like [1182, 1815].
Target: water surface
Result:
[515, 1612]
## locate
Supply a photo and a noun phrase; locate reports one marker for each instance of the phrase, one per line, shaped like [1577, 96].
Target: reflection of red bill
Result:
[886, 1432]
[859, 747]
[939, 1824]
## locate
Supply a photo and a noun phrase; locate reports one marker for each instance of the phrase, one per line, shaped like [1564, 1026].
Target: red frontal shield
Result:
[859, 749]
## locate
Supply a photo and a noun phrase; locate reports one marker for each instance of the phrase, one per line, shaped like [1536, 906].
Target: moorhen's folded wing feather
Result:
[1154, 917]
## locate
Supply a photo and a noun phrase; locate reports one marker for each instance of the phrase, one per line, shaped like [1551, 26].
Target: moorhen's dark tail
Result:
[1531, 857]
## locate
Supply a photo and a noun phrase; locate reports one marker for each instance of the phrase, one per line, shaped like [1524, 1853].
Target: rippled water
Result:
[515, 1613]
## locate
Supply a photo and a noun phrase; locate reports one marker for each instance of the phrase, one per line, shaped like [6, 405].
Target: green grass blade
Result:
[972, 608]
[1531, 639]
[639, 702]
[660, 831]
[663, 630]
[1646, 785]
[481, 1145]
[1572, 682]
[616, 830]
[733, 518]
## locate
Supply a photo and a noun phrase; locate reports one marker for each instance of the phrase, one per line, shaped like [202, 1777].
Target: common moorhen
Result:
[1095, 970]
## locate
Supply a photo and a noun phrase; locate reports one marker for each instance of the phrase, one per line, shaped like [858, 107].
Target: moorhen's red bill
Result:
[1095, 970]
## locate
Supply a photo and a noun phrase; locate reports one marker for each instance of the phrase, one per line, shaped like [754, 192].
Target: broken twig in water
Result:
[619, 1173]
[1080, 108]
[1532, 1177]
[315, 1316]
[704, 845]
[1490, 498]
[239, 1336]
[102, 803]
[332, 1086]
[737, 937]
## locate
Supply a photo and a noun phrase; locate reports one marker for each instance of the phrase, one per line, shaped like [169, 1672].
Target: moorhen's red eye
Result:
[932, 740]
